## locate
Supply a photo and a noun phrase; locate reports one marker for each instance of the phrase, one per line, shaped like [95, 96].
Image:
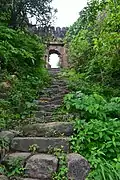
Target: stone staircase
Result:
[47, 134]
[51, 98]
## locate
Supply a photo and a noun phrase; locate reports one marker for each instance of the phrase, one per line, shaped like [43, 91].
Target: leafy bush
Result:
[22, 64]
[62, 170]
[20, 102]
[98, 141]
[96, 132]
[94, 46]
[92, 106]
[94, 55]
[19, 51]
[13, 167]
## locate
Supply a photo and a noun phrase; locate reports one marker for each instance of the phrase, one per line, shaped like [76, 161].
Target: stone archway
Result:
[59, 49]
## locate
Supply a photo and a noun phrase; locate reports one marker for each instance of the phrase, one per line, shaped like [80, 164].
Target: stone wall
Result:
[56, 32]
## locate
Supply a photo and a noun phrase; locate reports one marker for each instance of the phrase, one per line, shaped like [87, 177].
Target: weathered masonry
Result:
[59, 49]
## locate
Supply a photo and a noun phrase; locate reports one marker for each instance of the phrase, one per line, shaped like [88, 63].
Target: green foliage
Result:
[92, 106]
[86, 19]
[4, 147]
[88, 86]
[33, 148]
[94, 47]
[13, 167]
[98, 141]
[96, 130]
[22, 64]
[97, 127]
[79, 55]
[62, 169]
[20, 102]
[3, 113]
[94, 54]
[19, 49]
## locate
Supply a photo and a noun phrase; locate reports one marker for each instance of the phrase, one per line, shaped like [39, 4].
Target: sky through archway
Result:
[54, 60]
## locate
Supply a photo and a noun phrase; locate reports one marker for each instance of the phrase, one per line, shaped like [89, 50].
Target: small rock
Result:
[78, 167]
[7, 134]
[41, 166]
[2, 177]
[5, 85]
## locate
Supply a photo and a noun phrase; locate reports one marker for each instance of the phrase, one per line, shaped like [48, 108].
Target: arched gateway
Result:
[59, 49]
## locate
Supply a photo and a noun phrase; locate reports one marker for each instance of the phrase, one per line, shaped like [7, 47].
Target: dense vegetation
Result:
[93, 42]
[94, 45]
[94, 80]
[21, 63]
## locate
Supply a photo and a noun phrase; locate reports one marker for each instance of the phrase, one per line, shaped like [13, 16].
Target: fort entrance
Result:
[59, 49]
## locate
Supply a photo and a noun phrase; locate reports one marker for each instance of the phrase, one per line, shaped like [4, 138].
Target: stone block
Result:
[39, 114]
[2, 177]
[22, 144]
[41, 166]
[78, 167]
[14, 156]
[7, 135]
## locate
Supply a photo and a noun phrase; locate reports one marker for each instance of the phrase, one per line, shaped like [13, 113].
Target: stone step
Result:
[23, 144]
[37, 166]
[47, 107]
[54, 70]
[47, 119]
[59, 83]
[47, 116]
[39, 114]
[54, 73]
[56, 101]
[54, 129]
[52, 95]
[53, 86]
[51, 118]
[54, 90]
[42, 119]
[51, 99]
[41, 166]
[44, 99]
[58, 97]
[52, 102]
[59, 80]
